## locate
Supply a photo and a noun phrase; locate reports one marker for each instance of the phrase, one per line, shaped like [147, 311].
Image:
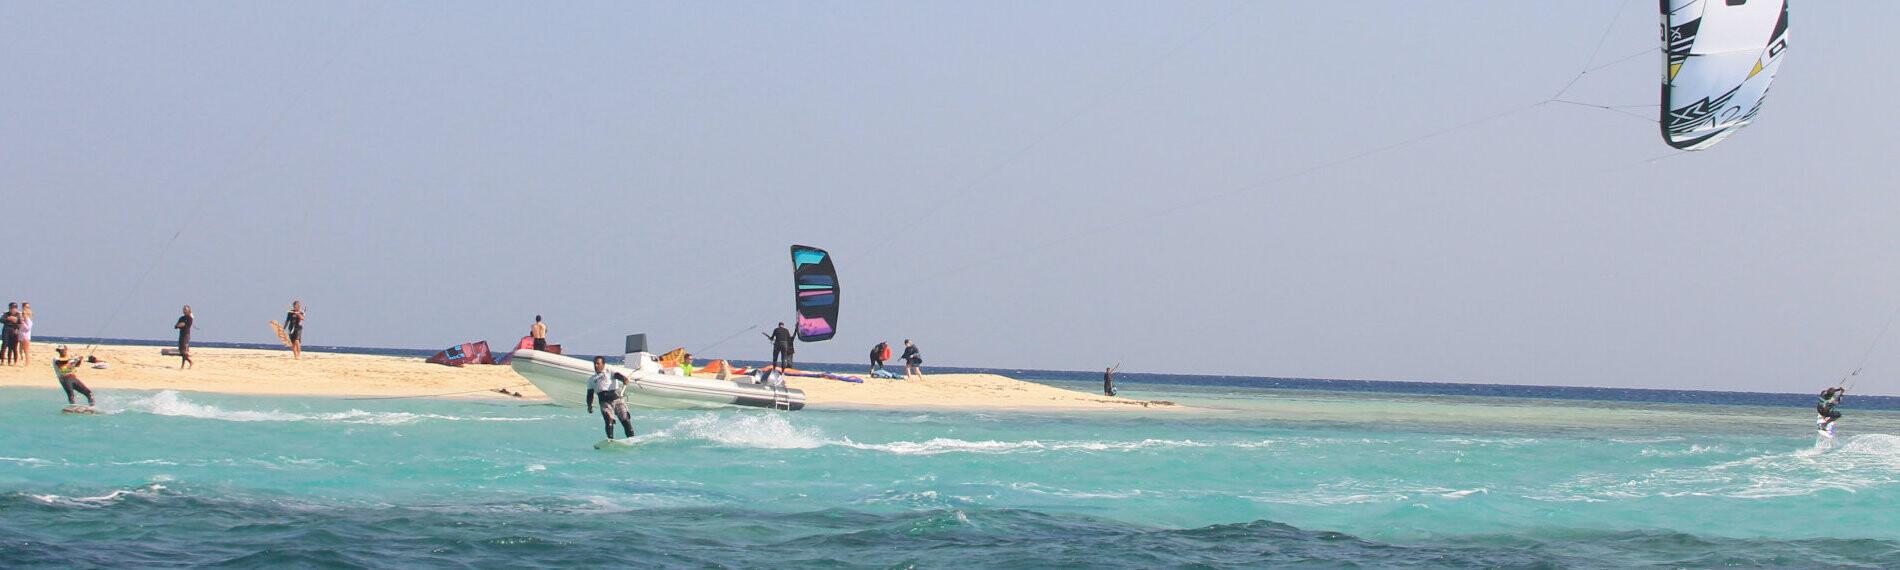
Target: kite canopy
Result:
[815, 284]
[1722, 55]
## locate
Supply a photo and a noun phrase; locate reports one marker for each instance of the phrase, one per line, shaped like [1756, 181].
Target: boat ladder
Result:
[781, 399]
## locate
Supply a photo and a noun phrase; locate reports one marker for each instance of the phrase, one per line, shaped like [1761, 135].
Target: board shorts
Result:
[541, 344]
[918, 361]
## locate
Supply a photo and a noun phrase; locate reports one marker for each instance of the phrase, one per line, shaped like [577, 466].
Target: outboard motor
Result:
[637, 356]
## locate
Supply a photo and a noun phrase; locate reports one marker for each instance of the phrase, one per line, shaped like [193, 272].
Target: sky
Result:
[1299, 189]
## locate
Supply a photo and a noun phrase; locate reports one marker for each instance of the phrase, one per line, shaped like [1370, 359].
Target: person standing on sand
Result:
[293, 328]
[10, 335]
[26, 333]
[913, 361]
[68, 371]
[611, 390]
[184, 339]
[1108, 381]
[781, 346]
[539, 332]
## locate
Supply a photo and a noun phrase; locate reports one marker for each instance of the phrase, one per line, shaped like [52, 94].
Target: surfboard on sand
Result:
[282, 336]
[614, 444]
[79, 410]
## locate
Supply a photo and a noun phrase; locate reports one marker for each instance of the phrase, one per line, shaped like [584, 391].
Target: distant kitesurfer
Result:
[539, 332]
[1825, 408]
[68, 371]
[293, 328]
[878, 354]
[781, 346]
[184, 339]
[610, 388]
[913, 361]
[1108, 381]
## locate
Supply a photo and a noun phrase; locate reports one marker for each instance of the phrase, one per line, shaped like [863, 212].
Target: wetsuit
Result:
[877, 356]
[1825, 407]
[10, 336]
[293, 326]
[610, 388]
[782, 348]
[68, 371]
[1108, 383]
[184, 335]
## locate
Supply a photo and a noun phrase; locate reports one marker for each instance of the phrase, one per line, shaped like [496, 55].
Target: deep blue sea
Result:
[1262, 472]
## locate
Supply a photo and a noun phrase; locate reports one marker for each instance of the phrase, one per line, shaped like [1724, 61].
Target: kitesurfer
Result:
[878, 354]
[781, 346]
[184, 339]
[539, 332]
[1108, 382]
[67, 369]
[293, 328]
[611, 389]
[1825, 407]
[913, 361]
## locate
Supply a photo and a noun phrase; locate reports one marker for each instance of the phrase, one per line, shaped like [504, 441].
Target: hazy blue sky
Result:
[1050, 185]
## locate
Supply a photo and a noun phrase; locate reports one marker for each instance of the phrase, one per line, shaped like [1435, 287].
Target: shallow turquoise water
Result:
[1286, 477]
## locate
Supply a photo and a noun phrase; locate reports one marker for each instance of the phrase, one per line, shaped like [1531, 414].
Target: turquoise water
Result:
[1268, 477]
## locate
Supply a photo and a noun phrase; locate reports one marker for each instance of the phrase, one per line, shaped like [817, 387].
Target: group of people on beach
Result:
[913, 359]
[291, 335]
[16, 334]
[784, 345]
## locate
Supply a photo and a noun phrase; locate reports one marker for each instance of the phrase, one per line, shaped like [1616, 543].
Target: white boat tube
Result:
[564, 380]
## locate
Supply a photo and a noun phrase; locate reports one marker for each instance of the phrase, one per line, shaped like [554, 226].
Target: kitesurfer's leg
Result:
[67, 385]
[83, 390]
[607, 415]
[626, 419]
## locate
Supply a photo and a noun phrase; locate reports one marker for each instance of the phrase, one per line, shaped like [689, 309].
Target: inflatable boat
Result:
[564, 380]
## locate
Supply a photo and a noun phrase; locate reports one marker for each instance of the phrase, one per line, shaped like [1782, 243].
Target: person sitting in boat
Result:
[1825, 407]
[611, 389]
[68, 371]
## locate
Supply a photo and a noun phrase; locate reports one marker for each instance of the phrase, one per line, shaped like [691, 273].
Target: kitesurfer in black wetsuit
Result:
[184, 339]
[610, 388]
[781, 346]
[1825, 407]
[293, 328]
[1108, 382]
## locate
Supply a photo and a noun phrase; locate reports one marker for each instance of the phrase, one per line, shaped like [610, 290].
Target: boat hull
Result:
[564, 380]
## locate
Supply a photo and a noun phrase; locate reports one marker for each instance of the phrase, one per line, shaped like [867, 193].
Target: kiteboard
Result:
[78, 410]
[283, 337]
[614, 444]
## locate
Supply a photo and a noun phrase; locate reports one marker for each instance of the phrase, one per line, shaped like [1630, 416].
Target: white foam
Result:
[760, 431]
[948, 445]
[172, 403]
[1861, 462]
[148, 491]
[1694, 449]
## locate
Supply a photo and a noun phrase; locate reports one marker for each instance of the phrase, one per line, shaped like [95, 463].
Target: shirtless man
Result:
[540, 334]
